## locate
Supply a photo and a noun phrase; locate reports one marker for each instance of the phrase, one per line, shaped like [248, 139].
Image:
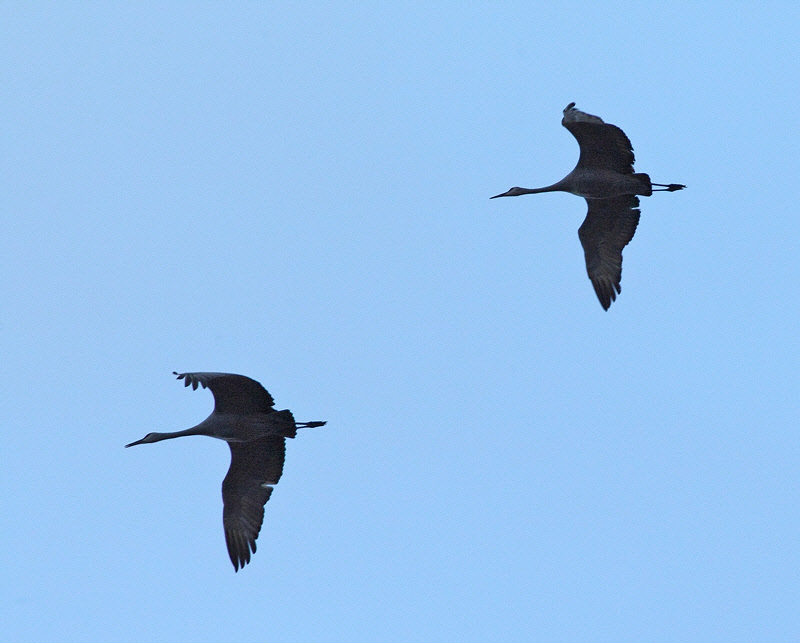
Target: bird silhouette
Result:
[604, 176]
[244, 417]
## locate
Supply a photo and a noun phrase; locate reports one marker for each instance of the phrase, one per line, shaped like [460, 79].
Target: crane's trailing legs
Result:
[668, 188]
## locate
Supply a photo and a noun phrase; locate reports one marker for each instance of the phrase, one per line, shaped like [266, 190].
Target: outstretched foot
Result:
[668, 188]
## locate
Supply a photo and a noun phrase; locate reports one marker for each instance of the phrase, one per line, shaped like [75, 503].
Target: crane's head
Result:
[150, 437]
[511, 192]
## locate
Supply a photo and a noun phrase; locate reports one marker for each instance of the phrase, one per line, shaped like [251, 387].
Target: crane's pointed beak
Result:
[133, 444]
[499, 195]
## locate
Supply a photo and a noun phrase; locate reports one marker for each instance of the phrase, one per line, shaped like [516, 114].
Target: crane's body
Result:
[594, 184]
[604, 176]
[234, 427]
[256, 433]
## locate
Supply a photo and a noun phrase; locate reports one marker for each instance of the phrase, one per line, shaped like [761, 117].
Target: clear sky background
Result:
[301, 194]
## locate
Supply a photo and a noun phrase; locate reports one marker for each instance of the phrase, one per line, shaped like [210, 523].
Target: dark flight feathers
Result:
[255, 465]
[232, 393]
[603, 146]
[609, 226]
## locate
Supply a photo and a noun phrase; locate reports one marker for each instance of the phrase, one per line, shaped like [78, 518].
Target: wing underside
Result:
[609, 226]
[255, 466]
[603, 146]
[232, 393]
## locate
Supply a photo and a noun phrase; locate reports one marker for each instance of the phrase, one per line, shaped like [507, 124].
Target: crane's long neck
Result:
[195, 430]
[556, 187]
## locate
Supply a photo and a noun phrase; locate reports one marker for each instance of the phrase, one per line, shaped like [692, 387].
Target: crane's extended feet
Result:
[668, 188]
[309, 425]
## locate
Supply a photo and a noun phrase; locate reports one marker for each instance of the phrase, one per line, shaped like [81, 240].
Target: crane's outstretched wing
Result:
[603, 146]
[232, 393]
[255, 465]
[609, 225]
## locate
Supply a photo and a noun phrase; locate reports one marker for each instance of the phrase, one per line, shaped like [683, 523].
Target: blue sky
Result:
[301, 194]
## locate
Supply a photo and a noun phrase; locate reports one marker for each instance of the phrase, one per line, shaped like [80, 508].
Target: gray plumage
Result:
[604, 176]
[256, 433]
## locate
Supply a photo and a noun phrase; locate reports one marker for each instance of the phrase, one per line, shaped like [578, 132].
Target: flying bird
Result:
[604, 176]
[244, 417]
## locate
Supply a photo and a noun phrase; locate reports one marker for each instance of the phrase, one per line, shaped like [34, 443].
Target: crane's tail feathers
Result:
[672, 187]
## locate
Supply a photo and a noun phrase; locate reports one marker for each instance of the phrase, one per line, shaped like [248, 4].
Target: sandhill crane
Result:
[604, 176]
[244, 417]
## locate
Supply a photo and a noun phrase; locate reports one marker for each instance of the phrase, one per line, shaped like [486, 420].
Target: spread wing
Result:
[609, 225]
[255, 465]
[232, 393]
[603, 146]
